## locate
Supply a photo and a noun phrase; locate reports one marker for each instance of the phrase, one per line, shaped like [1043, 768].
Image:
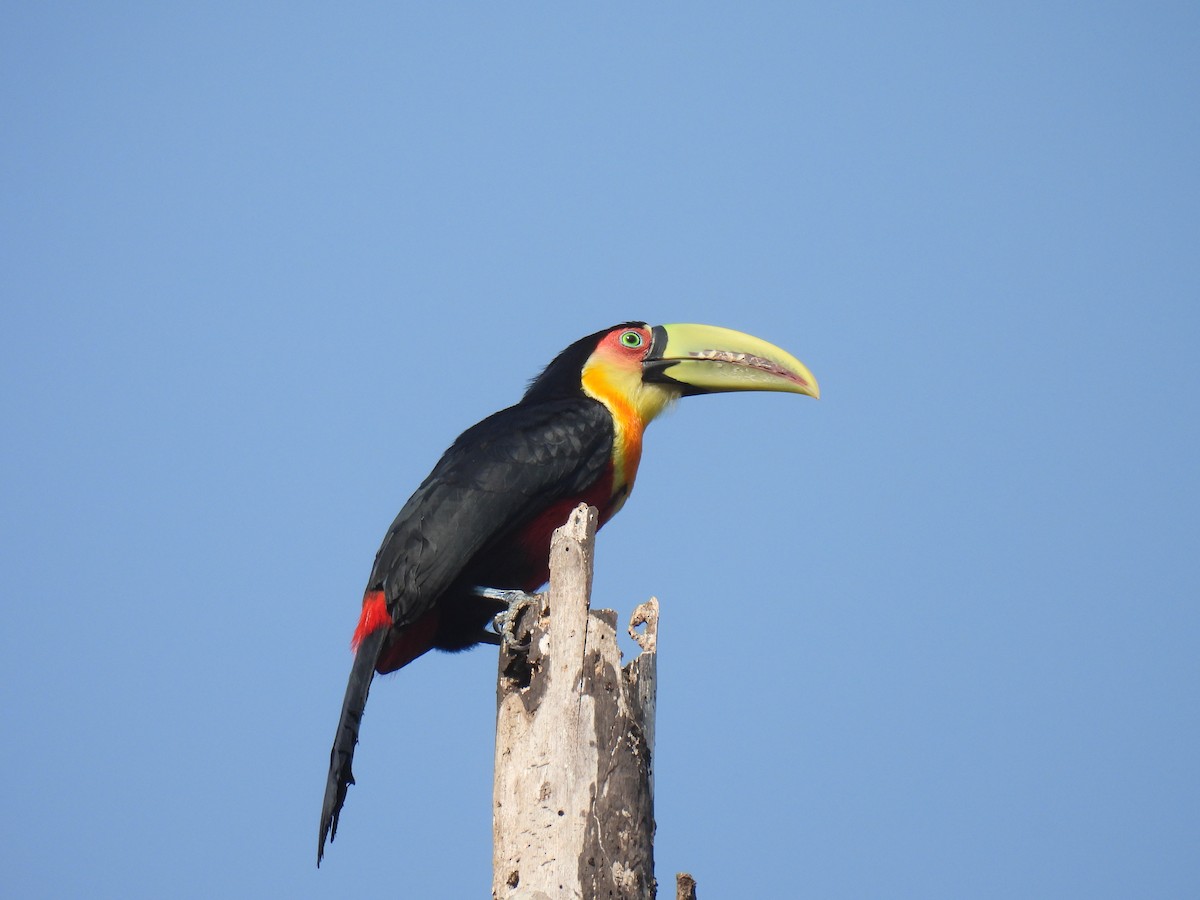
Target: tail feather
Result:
[342, 755]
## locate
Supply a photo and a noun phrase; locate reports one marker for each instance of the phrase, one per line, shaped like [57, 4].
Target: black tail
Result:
[342, 754]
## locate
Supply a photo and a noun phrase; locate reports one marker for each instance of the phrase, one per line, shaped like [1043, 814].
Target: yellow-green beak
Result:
[705, 359]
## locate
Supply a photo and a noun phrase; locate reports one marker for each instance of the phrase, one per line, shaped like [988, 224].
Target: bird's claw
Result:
[505, 622]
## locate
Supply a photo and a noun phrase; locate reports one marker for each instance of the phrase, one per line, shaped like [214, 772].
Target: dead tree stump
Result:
[573, 813]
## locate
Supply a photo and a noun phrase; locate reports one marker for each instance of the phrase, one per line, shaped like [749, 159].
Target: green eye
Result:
[631, 339]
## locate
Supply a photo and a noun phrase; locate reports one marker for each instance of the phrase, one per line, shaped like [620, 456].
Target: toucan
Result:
[479, 527]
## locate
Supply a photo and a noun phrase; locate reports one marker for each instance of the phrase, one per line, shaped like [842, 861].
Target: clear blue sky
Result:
[937, 635]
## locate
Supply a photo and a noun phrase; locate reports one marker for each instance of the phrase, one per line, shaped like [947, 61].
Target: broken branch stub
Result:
[573, 813]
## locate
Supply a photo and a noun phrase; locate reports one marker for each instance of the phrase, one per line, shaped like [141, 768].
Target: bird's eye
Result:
[631, 339]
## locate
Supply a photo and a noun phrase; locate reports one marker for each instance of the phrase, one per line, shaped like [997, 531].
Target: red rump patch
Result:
[374, 615]
[413, 640]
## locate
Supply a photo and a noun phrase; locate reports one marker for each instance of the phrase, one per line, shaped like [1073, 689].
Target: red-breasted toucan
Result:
[485, 514]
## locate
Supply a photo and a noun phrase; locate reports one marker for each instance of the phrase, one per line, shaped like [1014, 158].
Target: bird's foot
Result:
[505, 622]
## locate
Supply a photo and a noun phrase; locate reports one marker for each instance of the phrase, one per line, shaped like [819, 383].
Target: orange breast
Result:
[606, 385]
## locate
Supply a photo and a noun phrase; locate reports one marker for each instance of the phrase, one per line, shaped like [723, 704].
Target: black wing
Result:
[496, 477]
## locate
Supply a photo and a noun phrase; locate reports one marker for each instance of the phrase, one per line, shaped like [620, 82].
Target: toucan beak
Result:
[705, 359]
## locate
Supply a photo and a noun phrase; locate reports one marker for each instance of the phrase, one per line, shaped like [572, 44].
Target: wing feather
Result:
[494, 479]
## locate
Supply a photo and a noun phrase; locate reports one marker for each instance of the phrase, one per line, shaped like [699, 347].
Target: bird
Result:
[477, 530]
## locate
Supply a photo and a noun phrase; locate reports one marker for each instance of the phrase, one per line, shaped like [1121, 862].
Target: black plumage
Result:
[483, 517]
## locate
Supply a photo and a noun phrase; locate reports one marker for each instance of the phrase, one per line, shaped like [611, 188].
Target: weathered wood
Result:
[573, 812]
